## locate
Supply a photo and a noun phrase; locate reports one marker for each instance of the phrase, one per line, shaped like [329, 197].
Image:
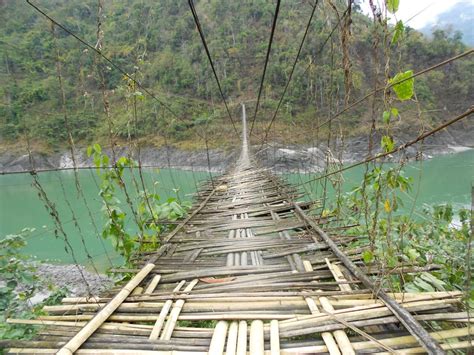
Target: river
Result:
[442, 179]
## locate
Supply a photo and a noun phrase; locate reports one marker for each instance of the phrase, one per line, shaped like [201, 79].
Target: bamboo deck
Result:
[249, 271]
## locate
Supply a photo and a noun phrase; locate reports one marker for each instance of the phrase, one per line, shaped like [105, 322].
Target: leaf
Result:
[387, 143]
[403, 85]
[392, 5]
[413, 254]
[394, 112]
[368, 256]
[97, 161]
[410, 287]
[105, 160]
[122, 161]
[423, 285]
[386, 117]
[434, 281]
[97, 148]
[399, 29]
[89, 151]
[387, 206]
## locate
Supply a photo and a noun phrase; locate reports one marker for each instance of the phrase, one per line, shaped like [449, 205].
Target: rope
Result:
[107, 59]
[291, 72]
[269, 48]
[467, 113]
[203, 39]
[347, 108]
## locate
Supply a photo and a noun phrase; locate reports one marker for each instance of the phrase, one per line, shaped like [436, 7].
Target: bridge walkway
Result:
[250, 270]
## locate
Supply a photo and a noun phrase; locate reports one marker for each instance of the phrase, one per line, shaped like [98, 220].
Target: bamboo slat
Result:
[74, 344]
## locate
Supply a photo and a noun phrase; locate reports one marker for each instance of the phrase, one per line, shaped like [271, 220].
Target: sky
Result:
[408, 8]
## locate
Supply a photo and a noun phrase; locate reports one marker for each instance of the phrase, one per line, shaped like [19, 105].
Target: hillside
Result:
[157, 43]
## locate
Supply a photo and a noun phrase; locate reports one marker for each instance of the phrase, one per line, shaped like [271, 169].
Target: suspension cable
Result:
[326, 40]
[291, 73]
[107, 59]
[206, 48]
[269, 48]
[426, 70]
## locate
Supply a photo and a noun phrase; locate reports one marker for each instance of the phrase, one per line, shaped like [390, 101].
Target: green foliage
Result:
[399, 29]
[138, 219]
[392, 5]
[387, 143]
[387, 115]
[15, 271]
[159, 42]
[396, 239]
[403, 85]
[19, 283]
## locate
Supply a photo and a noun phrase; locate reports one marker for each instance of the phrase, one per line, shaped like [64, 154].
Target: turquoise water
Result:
[443, 179]
[21, 207]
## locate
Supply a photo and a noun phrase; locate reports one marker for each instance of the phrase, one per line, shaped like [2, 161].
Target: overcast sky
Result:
[428, 9]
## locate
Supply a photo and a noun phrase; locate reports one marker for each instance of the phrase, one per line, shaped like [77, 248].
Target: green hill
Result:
[157, 43]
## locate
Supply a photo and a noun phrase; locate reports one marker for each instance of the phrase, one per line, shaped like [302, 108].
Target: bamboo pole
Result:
[256, 338]
[163, 313]
[174, 314]
[74, 344]
[328, 337]
[274, 338]
[151, 287]
[410, 323]
[447, 346]
[242, 338]
[218, 338]
[231, 347]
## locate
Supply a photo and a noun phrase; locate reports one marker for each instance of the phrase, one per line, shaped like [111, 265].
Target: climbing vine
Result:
[18, 284]
[152, 215]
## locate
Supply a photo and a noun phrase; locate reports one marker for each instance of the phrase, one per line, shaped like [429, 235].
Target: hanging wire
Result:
[291, 72]
[424, 71]
[96, 50]
[203, 40]
[71, 146]
[317, 54]
[53, 212]
[107, 59]
[402, 147]
[78, 227]
[267, 57]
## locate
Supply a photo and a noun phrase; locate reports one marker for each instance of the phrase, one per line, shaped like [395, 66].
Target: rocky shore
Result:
[309, 158]
[74, 280]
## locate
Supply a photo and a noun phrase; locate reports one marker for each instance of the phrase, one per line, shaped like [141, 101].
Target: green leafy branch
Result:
[152, 215]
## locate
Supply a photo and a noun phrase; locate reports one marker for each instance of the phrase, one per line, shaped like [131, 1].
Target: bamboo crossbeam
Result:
[74, 344]
[430, 344]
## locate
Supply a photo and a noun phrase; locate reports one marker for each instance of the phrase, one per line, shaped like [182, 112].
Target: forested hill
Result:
[156, 42]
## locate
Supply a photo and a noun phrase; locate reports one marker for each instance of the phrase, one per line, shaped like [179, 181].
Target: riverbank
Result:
[73, 280]
[68, 279]
[279, 157]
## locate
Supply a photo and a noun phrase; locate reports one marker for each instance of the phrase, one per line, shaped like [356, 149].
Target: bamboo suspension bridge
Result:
[252, 270]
